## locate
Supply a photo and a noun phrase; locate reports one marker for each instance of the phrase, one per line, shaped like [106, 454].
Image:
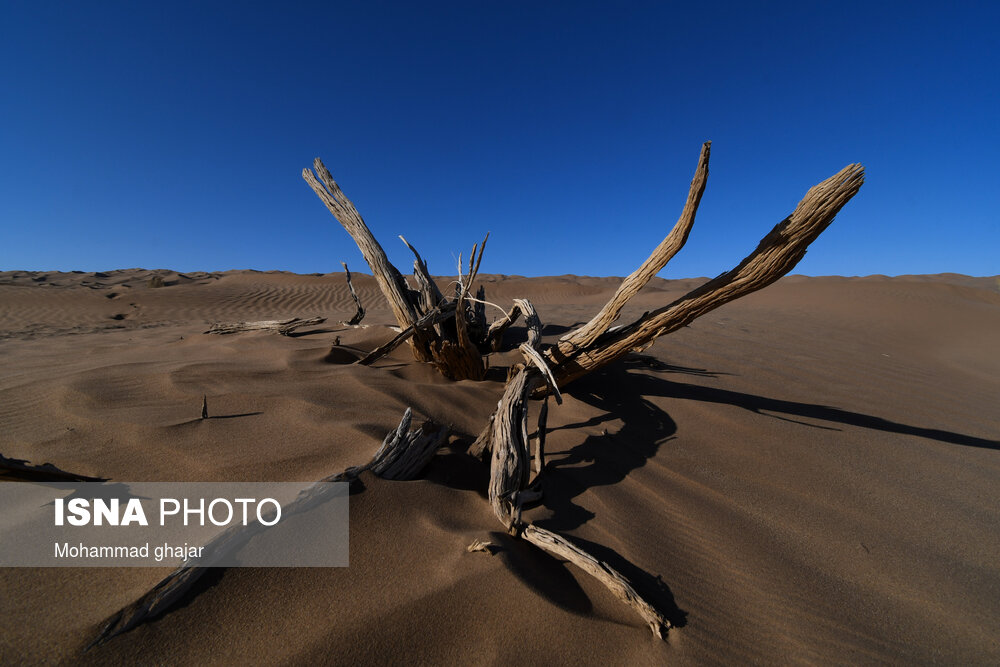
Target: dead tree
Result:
[452, 333]
[454, 346]
[596, 343]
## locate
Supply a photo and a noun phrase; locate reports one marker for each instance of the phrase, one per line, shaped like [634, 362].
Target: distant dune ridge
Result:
[811, 471]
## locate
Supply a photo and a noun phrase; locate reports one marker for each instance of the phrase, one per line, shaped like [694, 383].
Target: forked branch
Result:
[774, 257]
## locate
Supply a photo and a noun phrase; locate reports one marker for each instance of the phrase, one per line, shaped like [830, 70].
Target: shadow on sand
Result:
[625, 396]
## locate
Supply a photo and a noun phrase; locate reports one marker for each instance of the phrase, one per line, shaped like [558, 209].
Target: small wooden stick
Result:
[284, 327]
[360, 314]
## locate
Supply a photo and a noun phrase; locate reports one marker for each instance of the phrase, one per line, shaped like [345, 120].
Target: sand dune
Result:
[808, 474]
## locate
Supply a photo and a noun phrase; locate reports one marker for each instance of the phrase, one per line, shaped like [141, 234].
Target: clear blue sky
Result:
[173, 134]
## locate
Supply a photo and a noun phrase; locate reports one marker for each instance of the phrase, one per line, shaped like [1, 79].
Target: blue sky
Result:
[172, 135]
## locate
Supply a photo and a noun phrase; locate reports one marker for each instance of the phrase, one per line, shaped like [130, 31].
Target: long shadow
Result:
[651, 386]
[242, 414]
[625, 396]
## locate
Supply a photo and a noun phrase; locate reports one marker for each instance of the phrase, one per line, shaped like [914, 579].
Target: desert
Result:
[808, 471]
[404, 333]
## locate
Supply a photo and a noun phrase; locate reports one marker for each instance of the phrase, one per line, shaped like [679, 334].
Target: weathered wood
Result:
[430, 295]
[532, 322]
[601, 341]
[460, 359]
[509, 445]
[283, 327]
[402, 455]
[533, 357]
[458, 362]
[494, 335]
[445, 312]
[480, 545]
[360, 314]
[775, 256]
[389, 280]
[616, 582]
[477, 324]
[509, 491]
[675, 240]
[481, 446]
[453, 348]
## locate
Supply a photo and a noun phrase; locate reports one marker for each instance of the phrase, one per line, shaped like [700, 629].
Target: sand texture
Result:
[810, 474]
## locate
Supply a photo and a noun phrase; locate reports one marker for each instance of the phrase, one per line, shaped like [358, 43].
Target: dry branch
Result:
[283, 327]
[509, 469]
[430, 319]
[675, 240]
[386, 275]
[494, 335]
[431, 296]
[454, 347]
[481, 446]
[614, 580]
[480, 545]
[509, 491]
[403, 455]
[775, 256]
[360, 314]
[460, 359]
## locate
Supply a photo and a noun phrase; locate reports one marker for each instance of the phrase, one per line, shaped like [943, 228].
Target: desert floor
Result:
[810, 474]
